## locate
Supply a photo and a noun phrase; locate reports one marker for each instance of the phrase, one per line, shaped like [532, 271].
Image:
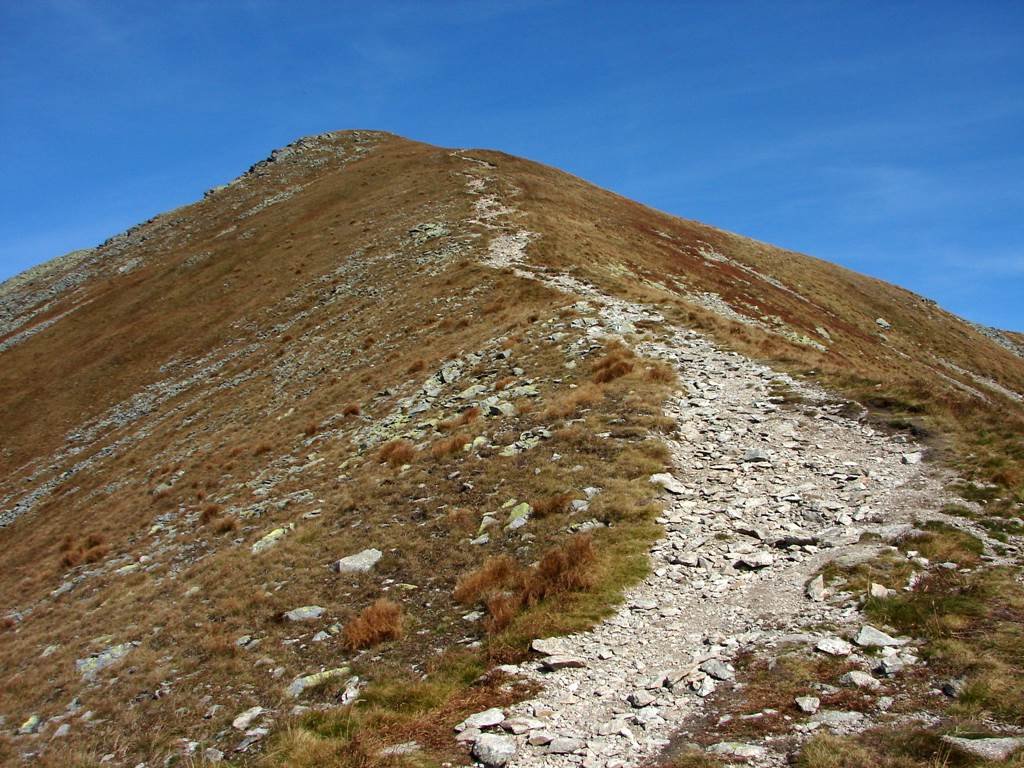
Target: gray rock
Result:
[815, 589]
[405, 748]
[90, 665]
[549, 646]
[717, 670]
[912, 458]
[640, 699]
[869, 637]
[244, 719]
[755, 561]
[834, 646]
[554, 663]
[306, 682]
[890, 666]
[882, 323]
[493, 750]
[737, 749]
[808, 704]
[305, 613]
[486, 719]
[859, 679]
[994, 749]
[837, 719]
[752, 455]
[564, 745]
[669, 483]
[360, 562]
[521, 725]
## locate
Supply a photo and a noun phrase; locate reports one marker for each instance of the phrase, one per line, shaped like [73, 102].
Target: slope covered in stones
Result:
[286, 470]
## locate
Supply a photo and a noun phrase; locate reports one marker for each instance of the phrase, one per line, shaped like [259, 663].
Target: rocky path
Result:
[760, 496]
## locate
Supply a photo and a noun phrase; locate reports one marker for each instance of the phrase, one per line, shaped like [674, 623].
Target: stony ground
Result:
[762, 495]
[770, 480]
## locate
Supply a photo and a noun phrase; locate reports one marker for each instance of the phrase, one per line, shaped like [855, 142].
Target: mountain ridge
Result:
[469, 369]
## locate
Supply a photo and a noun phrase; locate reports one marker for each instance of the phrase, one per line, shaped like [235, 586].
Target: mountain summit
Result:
[320, 470]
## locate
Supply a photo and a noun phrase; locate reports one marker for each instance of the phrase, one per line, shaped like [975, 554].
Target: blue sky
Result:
[888, 137]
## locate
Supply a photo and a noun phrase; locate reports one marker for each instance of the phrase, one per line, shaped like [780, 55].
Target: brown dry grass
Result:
[556, 503]
[616, 363]
[396, 452]
[88, 549]
[449, 445]
[468, 416]
[376, 623]
[136, 322]
[495, 574]
[570, 402]
[507, 589]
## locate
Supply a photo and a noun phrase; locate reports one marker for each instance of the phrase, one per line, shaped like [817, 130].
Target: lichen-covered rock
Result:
[305, 613]
[306, 682]
[90, 665]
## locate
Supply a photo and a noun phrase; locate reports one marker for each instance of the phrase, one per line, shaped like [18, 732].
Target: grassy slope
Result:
[346, 352]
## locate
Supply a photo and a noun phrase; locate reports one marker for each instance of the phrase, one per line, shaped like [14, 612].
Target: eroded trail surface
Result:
[762, 493]
[759, 498]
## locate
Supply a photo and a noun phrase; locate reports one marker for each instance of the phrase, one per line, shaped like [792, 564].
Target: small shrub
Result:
[261, 448]
[417, 366]
[351, 409]
[379, 622]
[312, 428]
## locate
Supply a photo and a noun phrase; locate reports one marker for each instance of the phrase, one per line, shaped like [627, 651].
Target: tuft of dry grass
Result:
[567, 567]
[210, 512]
[376, 623]
[496, 573]
[225, 524]
[396, 452]
[556, 503]
[506, 588]
[89, 549]
[351, 409]
[449, 445]
[468, 416]
[568, 403]
[660, 372]
[615, 364]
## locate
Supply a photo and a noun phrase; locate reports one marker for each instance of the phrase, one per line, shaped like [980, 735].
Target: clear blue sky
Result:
[885, 136]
